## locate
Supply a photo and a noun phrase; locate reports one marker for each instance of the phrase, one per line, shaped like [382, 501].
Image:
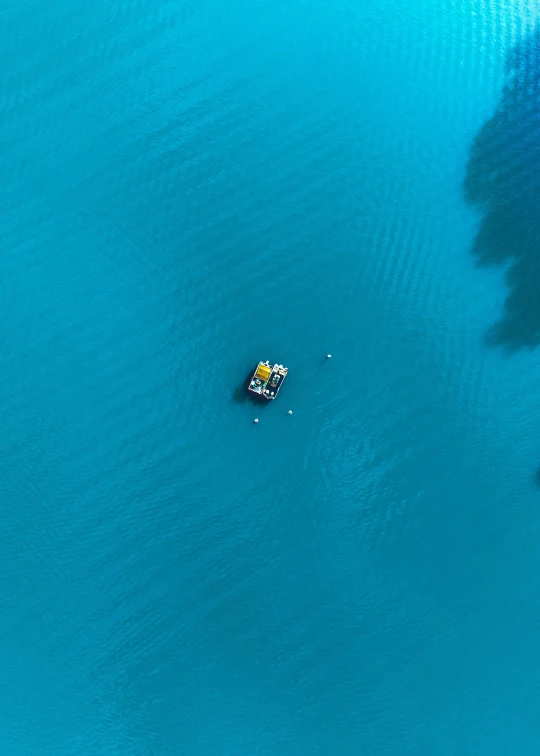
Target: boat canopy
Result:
[263, 372]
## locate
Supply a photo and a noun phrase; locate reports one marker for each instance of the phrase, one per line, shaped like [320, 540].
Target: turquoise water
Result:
[188, 188]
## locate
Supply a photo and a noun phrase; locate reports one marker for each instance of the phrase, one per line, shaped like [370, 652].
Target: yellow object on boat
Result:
[263, 372]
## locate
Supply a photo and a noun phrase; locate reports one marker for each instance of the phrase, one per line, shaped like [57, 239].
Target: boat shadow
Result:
[242, 395]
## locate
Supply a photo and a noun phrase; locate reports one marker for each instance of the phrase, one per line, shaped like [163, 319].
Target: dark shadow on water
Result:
[503, 181]
[242, 395]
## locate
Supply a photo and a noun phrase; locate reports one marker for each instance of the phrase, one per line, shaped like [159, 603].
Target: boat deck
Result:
[274, 384]
[268, 389]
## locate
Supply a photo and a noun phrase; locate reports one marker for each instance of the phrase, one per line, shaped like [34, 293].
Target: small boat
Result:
[267, 379]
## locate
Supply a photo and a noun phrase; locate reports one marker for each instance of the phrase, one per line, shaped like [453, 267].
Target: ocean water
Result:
[189, 187]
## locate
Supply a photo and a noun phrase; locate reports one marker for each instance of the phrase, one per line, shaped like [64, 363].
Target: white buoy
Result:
[289, 412]
[328, 356]
[256, 420]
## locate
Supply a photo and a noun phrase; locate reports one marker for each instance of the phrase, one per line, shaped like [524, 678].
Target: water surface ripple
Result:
[188, 188]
